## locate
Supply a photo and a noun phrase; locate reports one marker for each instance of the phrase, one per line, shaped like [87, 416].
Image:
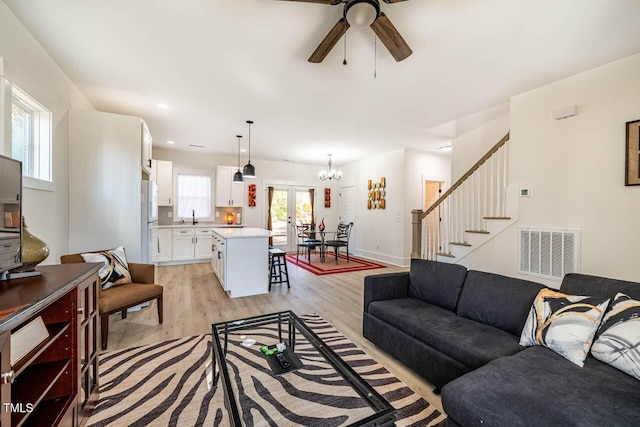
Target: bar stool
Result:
[279, 272]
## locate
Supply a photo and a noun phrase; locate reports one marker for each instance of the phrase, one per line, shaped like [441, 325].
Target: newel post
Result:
[416, 233]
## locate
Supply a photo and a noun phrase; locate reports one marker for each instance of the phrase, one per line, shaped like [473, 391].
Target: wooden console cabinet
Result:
[56, 383]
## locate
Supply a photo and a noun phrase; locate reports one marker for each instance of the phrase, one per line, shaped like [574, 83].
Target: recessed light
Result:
[243, 150]
[445, 148]
[171, 142]
[162, 106]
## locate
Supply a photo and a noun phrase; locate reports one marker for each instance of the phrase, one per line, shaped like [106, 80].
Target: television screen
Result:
[11, 209]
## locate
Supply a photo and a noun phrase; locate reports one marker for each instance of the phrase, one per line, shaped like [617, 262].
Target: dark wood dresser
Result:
[56, 383]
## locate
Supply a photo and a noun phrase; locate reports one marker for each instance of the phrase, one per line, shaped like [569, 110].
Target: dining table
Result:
[313, 233]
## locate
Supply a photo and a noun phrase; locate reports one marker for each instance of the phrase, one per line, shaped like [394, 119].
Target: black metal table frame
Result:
[384, 412]
[323, 249]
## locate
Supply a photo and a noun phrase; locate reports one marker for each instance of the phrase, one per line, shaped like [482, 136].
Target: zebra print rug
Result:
[166, 384]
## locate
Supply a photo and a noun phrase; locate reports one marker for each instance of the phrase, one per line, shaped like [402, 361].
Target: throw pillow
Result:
[115, 270]
[618, 340]
[564, 323]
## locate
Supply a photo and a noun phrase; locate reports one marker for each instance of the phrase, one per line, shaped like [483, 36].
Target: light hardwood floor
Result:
[193, 300]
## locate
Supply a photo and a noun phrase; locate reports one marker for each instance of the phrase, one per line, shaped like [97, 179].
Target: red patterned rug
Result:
[329, 266]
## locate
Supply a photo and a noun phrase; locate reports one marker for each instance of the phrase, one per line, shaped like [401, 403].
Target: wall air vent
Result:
[549, 253]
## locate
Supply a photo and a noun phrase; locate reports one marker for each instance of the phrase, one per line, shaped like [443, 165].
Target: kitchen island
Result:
[240, 258]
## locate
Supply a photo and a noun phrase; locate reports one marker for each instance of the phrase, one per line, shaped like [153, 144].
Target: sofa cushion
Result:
[582, 284]
[564, 323]
[436, 282]
[539, 387]
[619, 336]
[469, 342]
[496, 300]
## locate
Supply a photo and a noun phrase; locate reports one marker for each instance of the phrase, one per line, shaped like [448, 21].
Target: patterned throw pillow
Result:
[564, 323]
[618, 341]
[115, 270]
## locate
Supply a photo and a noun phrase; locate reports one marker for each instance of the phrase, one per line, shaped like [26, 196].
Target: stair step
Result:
[497, 217]
[477, 231]
[460, 243]
[444, 254]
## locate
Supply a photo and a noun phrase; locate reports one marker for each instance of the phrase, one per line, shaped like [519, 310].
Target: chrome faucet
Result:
[195, 221]
[182, 220]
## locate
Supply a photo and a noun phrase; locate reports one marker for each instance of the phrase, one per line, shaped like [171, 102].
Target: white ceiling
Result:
[218, 63]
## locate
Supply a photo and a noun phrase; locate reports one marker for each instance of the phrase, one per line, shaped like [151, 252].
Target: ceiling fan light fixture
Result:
[361, 13]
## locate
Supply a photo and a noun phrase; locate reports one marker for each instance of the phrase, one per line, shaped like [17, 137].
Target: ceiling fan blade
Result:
[330, 2]
[329, 41]
[391, 38]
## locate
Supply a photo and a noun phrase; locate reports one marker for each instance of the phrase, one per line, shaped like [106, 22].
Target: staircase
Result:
[474, 210]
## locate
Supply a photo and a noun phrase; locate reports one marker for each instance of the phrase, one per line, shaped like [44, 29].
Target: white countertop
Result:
[240, 233]
[200, 225]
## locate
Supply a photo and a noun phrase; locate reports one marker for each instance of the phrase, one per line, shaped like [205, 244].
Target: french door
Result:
[291, 205]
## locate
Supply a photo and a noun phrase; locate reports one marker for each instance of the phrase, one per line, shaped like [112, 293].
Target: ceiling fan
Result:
[362, 13]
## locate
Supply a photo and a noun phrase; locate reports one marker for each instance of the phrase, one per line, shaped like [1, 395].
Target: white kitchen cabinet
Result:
[191, 243]
[162, 245]
[202, 248]
[228, 193]
[164, 178]
[183, 241]
[218, 259]
[241, 260]
[147, 142]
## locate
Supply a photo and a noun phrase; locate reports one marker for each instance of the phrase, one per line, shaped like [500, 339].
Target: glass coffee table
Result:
[317, 388]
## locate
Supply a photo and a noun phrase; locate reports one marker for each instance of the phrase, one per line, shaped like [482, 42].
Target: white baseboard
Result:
[190, 261]
[389, 259]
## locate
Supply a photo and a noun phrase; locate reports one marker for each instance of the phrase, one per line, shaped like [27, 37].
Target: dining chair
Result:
[305, 240]
[342, 239]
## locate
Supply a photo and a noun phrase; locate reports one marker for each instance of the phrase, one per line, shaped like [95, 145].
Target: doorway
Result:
[291, 205]
[433, 226]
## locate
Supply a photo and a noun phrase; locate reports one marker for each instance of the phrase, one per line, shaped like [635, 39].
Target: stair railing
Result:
[478, 195]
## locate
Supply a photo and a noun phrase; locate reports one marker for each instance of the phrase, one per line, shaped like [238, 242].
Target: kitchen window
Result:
[31, 139]
[194, 196]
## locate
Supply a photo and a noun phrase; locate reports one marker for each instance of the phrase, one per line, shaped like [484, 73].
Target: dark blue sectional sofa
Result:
[460, 330]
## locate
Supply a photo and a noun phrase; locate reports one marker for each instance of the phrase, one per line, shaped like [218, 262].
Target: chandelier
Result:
[331, 173]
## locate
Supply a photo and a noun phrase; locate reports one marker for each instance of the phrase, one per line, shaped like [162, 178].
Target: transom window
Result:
[31, 136]
[194, 196]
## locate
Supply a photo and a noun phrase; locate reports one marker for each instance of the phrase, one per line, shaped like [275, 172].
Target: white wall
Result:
[420, 166]
[104, 181]
[379, 234]
[30, 67]
[468, 148]
[576, 169]
[268, 173]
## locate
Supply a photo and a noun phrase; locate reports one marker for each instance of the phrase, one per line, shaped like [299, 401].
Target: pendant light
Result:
[237, 177]
[249, 171]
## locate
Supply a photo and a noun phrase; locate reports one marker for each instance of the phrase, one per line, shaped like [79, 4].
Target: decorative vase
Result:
[34, 250]
[321, 226]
